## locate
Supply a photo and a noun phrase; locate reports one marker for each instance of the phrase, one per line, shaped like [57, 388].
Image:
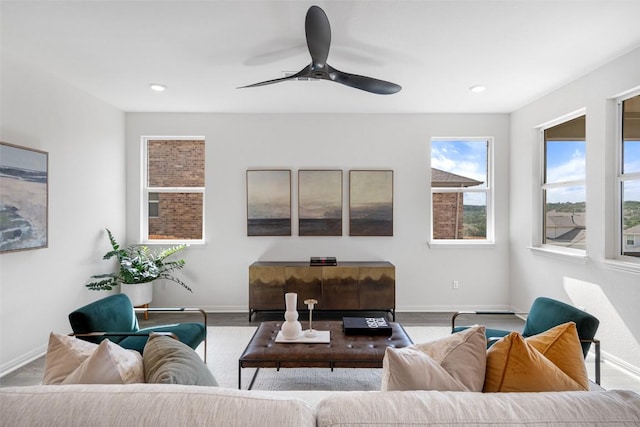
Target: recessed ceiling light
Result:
[157, 87]
[477, 88]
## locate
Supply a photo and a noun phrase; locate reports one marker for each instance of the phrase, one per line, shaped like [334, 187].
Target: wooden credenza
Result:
[369, 286]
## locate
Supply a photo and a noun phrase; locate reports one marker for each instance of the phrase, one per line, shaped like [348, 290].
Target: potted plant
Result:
[139, 266]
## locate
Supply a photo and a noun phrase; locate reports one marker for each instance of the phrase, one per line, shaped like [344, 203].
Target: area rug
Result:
[226, 344]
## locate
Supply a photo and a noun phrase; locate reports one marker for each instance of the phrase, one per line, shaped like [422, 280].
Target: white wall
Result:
[218, 271]
[611, 295]
[85, 141]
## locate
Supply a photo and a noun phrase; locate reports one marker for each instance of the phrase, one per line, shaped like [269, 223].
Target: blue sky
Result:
[632, 156]
[467, 158]
[566, 162]
[632, 165]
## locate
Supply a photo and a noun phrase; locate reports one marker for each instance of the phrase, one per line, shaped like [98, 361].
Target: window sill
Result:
[173, 242]
[577, 256]
[447, 244]
[624, 266]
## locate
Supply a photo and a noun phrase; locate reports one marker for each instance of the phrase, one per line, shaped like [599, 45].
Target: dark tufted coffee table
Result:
[353, 351]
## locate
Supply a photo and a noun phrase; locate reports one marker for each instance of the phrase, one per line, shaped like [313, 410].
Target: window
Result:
[563, 187]
[629, 176]
[461, 190]
[173, 190]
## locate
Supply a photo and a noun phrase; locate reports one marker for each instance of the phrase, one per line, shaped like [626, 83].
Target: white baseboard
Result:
[449, 308]
[20, 361]
[620, 364]
[226, 309]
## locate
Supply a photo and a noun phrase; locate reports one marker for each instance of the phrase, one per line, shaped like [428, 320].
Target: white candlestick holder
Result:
[310, 304]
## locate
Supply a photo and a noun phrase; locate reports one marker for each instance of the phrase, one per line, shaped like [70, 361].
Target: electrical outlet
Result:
[455, 284]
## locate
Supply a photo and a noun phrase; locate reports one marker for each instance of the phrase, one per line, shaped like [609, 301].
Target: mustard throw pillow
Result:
[561, 345]
[538, 363]
[454, 363]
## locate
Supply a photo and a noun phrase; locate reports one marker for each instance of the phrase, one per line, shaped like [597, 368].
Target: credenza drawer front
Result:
[266, 288]
[340, 288]
[377, 288]
[306, 282]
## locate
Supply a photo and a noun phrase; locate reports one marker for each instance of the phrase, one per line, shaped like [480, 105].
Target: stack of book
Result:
[366, 326]
[319, 261]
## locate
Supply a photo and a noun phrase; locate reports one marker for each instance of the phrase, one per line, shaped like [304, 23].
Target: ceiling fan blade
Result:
[365, 83]
[305, 72]
[267, 82]
[318, 31]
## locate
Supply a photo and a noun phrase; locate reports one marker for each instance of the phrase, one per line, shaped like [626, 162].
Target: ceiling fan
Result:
[318, 33]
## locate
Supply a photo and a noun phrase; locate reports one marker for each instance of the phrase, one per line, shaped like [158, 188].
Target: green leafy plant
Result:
[138, 264]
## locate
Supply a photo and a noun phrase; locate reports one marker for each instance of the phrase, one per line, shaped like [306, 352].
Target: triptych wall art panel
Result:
[320, 195]
[371, 203]
[320, 203]
[269, 203]
[24, 198]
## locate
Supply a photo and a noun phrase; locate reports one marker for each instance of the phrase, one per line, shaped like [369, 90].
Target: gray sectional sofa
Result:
[178, 405]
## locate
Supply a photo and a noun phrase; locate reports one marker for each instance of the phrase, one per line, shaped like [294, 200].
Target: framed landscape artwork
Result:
[320, 202]
[371, 203]
[268, 203]
[23, 198]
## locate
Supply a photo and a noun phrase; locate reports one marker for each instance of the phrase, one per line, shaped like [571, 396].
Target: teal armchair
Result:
[114, 317]
[544, 314]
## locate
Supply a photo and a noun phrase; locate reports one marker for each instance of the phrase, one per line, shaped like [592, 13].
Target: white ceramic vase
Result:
[138, 293]
[291, 328]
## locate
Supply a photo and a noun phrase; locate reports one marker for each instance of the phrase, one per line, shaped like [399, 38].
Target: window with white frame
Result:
[461, 190]
[629, 176]
[563, 188]
[173, 190]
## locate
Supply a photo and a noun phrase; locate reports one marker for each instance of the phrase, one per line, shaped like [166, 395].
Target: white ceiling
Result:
[204, 50]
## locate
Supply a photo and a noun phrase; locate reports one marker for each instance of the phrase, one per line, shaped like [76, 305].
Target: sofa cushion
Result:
[109, 364]
[169, 361]
[455, 363]
[438, 408]
[99, 405]
[64, 355]
[515, 364]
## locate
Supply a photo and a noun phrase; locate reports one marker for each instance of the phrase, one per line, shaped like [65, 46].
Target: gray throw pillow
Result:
[168, 361]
